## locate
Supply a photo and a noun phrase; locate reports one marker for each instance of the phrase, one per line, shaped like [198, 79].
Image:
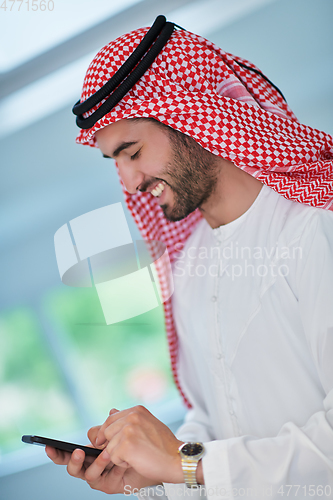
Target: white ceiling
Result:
[27, 34]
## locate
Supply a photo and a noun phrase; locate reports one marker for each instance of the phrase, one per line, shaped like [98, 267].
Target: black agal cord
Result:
[126, 77]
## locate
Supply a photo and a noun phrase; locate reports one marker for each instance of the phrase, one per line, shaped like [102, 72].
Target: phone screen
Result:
[60, 445]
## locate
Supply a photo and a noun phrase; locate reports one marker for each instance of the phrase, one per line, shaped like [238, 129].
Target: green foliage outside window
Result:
[32, 391]
[111, 366]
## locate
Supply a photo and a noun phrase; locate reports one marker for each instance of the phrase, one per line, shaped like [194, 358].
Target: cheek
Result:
[149, 167]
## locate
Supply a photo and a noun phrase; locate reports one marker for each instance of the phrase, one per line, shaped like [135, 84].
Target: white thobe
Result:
[253, 306]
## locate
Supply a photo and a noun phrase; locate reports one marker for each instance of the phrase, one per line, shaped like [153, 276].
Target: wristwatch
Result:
[190, 454]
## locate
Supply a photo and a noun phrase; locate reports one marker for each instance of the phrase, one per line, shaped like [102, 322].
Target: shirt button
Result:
[214, 298]
[231, 412]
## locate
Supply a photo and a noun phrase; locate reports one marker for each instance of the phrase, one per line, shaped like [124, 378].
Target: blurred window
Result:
[62, 368]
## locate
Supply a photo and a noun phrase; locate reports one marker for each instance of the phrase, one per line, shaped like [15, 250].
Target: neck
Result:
[234, 193]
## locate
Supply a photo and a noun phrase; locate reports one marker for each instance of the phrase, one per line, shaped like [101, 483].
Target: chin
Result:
[169, 214]
[174, 215]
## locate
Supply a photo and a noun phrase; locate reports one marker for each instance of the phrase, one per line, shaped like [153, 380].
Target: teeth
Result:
[158, 190]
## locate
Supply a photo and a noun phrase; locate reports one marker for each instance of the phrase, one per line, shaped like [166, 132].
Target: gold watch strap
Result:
[189, 470]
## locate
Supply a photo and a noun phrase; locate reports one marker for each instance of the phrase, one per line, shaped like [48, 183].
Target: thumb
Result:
[92, 433]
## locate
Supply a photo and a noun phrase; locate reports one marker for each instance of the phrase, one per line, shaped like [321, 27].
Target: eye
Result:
[136, 155]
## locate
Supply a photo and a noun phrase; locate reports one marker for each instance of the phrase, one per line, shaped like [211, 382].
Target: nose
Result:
[131, 177]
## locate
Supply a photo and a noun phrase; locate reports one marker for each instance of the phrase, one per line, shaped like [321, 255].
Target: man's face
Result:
[168, 164]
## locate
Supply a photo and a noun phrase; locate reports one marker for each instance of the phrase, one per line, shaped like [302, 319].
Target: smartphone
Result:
[60, 445]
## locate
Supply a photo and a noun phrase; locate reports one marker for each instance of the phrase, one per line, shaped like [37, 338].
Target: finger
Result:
[123, 464]
[92, 433]
[76, 467]
[115, 451]
[115, 415]
[99, 465]
[100, 438]
[113, 411]
[110, 481]
[57, 456]
[125, 422]
[90, 459]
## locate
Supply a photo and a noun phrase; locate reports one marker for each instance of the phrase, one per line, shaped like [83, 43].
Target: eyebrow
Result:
[120, 148]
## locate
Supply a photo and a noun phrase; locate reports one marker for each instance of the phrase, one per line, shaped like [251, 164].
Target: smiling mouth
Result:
[158, 190]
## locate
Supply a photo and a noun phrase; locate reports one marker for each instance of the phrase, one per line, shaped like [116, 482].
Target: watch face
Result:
[192, 449]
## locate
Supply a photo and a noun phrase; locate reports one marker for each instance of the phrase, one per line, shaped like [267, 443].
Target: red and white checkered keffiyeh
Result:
[195, 87]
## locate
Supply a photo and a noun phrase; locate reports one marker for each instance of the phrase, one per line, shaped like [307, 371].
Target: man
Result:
[214, 163]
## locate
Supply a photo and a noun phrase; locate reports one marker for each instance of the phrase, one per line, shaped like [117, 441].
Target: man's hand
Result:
[100, 474]
[139, 451]
[135, 438]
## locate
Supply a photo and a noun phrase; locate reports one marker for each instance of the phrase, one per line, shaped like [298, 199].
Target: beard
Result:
[192, 176]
